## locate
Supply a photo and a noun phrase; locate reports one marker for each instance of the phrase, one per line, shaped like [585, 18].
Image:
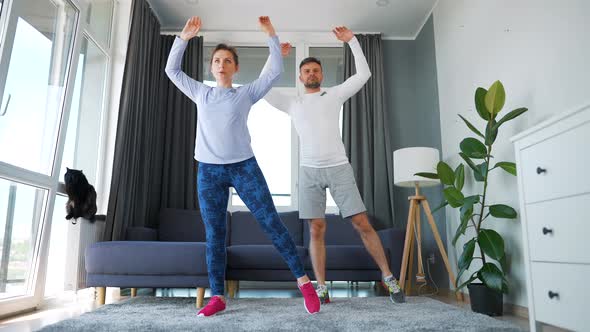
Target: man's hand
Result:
[285, 49]
[343, 34]
[266, 25]
[192, 27]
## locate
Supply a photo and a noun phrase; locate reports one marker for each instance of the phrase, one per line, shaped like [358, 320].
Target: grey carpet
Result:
[284, 314]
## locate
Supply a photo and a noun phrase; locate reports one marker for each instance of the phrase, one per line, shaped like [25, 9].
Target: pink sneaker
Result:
[214, 306]
[310, 297]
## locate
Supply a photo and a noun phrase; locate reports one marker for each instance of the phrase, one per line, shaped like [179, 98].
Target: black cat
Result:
[81, 196]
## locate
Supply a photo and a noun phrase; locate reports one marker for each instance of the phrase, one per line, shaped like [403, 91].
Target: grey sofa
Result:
[174, 255]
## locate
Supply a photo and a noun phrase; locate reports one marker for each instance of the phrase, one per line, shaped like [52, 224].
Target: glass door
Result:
[37, 46]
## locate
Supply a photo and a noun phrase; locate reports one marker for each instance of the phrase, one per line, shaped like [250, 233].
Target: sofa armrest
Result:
[141, 234]
[393, 240]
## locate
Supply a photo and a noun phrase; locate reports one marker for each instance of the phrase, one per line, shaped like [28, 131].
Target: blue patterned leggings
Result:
[213, 183]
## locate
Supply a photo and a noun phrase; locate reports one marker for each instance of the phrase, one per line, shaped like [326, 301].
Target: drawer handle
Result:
[552, 295]
[547, 231]
[541, 170]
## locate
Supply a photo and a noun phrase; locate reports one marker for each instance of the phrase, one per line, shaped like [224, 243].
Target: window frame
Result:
[52, 183]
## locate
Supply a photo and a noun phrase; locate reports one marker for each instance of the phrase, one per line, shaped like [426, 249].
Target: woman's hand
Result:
[266, 25]
[192, 27]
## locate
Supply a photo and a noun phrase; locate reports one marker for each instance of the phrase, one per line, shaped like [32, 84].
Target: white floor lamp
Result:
[406, 163]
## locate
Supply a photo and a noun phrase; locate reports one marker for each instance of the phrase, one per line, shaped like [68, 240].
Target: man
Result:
[324, 163]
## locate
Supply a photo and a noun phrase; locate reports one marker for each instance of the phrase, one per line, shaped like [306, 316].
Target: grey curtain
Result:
[153, 164]
[366, 135]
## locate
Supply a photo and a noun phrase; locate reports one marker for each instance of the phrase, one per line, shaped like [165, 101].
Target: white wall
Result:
[540, 50]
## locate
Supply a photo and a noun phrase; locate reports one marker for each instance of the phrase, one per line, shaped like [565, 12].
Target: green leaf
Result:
[507, 166]
[442, 205]
[471, 200]
[459, 177]
[495, 98]
[491, 243]
[482, 170]
[513, 114]
[472, 127]
[465, 216]
[469, 162]
[466, 257]
[427, 175]
[505, 287]
[460, 231]
[502, 211]
[491, 133]
[466, 209]
[472, 278]
[480, 105]
[473, 148]
[445, 172]
[453, 196]
[491, 276]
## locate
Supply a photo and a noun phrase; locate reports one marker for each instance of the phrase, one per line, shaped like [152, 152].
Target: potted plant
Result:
[486, 296]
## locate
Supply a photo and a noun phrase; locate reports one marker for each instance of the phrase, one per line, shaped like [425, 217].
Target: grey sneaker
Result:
[396, 294]
[323, 294]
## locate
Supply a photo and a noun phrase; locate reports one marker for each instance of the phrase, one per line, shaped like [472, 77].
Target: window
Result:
[80, 152]
[21, 208]
[38, 62]
[55, 279]
[34, 67]
[272, 147]
[40, 86]
[98, 17]
[84, 125]
[83, 138]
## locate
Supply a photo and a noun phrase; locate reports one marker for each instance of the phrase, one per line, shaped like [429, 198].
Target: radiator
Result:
[80, 236]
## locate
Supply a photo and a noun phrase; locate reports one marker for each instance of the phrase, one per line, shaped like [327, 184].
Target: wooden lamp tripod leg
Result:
[441, 247]
[406, 254]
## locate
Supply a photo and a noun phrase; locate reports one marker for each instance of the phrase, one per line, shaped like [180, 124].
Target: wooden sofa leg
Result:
[133, 292]
[101, 293]
[200, 296]
[232, 288]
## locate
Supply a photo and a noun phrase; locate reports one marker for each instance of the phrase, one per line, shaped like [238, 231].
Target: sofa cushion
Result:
[246, 230]
[260, 256]
[348, 258]
[146, 258]
[176, 225]
[338, 232]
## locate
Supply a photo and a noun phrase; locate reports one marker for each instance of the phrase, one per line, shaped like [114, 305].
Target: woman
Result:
[226, 158]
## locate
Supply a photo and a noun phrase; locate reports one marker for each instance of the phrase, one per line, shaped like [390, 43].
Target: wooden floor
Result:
[67, 309]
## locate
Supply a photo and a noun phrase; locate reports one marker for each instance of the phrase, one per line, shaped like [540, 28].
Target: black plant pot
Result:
[485, 300]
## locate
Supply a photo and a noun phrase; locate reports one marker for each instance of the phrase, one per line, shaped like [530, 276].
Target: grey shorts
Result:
[312, 191]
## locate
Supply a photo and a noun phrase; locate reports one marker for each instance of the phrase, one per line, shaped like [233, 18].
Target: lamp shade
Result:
[409, 161]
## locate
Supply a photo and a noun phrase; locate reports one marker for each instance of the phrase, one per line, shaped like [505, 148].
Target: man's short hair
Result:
[309, 60]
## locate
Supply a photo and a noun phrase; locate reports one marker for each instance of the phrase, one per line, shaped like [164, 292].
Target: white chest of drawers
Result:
[553, 161]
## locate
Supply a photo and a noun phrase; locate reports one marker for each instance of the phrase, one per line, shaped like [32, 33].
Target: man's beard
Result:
[312, 85]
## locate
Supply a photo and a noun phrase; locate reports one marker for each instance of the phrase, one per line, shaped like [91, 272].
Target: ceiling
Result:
[395, 19]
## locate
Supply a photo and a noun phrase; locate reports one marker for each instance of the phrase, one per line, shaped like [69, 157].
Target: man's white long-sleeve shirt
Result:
[315, 115]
